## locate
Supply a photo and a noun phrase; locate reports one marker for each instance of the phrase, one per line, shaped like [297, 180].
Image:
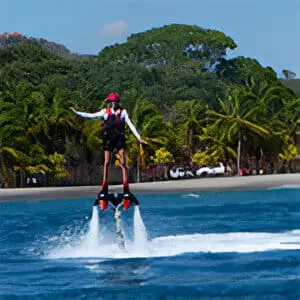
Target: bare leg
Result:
[104, 186]
[121, 155]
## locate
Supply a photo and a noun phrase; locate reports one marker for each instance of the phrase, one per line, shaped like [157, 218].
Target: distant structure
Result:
[288, 74]
[10, 35]
[8, 39]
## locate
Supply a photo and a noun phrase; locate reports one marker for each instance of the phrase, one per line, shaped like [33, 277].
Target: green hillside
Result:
[184, 95]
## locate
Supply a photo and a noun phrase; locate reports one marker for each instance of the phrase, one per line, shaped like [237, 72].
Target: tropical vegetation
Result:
[191, 102]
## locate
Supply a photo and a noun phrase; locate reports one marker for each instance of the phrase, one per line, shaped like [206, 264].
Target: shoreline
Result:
[216, 184]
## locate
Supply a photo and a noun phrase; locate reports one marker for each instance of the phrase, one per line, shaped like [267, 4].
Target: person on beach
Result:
[114, 141]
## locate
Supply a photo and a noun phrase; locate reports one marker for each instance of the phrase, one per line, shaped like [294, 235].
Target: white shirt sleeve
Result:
[98, 115]
[131, 126]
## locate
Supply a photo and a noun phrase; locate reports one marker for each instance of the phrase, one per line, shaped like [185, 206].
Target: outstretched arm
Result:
[98, 115]
[131, 126]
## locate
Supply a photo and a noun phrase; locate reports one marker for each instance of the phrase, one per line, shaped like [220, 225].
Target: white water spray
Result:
[92, 237]
[140, 233]
[119, 228]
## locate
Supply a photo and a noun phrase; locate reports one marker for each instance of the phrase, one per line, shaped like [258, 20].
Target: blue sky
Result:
[267, 30]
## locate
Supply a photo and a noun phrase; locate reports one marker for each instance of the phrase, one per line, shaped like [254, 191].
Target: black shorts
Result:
[114, 144]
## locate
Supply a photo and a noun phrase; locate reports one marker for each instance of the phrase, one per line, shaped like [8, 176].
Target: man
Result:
[115, 119]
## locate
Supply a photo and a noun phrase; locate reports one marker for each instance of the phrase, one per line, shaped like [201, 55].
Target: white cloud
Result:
[118, 28]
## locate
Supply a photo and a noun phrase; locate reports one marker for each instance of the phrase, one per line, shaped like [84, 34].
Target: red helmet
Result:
[113, 97]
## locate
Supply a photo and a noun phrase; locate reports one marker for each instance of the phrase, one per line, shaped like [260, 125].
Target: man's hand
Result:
[73, 110]
[142, 141]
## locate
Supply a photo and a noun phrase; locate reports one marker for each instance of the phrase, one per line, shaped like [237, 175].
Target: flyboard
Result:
[116, 199]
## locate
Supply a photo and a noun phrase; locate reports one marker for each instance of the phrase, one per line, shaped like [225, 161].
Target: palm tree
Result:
[187, 118]
[216, 142]
[12, 135]
[25, 122]
[152, 126]
[10, 156]
[284, 126]
[237, 119]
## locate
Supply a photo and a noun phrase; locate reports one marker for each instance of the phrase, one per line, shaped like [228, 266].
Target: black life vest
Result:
[113, 126]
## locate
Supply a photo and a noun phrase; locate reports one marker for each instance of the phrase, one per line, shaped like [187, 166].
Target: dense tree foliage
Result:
[183, 94]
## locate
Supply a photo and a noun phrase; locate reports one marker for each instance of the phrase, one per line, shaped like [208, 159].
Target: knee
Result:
[122, 163]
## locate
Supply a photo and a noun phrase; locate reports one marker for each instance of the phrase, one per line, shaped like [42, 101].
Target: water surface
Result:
[233, 244]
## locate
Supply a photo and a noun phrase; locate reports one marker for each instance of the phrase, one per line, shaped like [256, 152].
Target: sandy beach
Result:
[174, 186]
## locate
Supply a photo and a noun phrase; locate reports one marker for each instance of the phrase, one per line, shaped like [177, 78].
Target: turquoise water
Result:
[207, 245]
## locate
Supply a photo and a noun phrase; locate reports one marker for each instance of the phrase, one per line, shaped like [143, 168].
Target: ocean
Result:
[206, 245]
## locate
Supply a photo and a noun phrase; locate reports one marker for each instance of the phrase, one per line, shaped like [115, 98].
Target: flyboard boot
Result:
[127, 195]
[102, 198]
[129, 198]
[126, 199]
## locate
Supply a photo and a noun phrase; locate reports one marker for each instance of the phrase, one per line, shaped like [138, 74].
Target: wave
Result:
[191, 195]
[285, 186]
[242, 242]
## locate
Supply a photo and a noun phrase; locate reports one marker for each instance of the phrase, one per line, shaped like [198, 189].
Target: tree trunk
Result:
[22, 178]
[239, 153]
[190, 142]
[138, 172]
[290, 166]
[261, 162]
[166, 172]
[4, 171]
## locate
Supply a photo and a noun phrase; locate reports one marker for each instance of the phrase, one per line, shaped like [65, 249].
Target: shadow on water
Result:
[122, 272]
